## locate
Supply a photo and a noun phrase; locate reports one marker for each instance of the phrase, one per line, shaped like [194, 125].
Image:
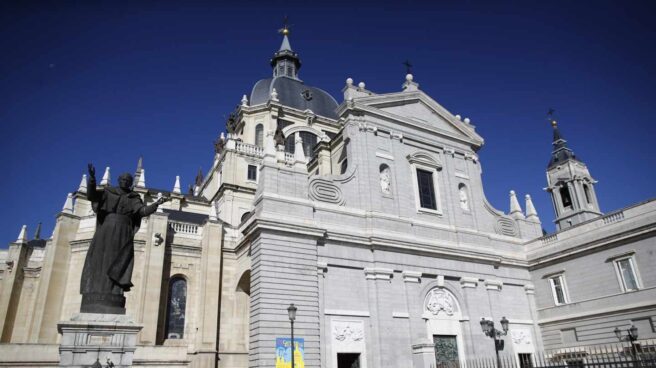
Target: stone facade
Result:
[378, 231]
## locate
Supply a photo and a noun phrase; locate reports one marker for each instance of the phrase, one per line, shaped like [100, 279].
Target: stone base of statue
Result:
[102, 303]
[106, 340]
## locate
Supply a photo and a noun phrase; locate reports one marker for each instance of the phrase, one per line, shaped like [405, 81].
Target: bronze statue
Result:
[107, 271]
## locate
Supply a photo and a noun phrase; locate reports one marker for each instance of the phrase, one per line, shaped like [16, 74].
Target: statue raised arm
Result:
[107, 271]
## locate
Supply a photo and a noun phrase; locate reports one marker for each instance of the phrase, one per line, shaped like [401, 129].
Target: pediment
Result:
[420, 109]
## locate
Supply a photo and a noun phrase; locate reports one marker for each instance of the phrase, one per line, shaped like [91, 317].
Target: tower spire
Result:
[285, 61]
[561, 152]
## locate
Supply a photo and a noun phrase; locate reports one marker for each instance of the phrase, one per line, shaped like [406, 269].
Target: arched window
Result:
[259, 135]
[309, 141]
[175, 308]
[565, 197]
[586, 190]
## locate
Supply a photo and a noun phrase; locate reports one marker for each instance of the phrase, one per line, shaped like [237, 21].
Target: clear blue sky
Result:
[106, 82]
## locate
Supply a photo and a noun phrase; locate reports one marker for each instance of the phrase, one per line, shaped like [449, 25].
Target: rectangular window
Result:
[426, 189]
[627, 274]
[252, 173]
[558, 290]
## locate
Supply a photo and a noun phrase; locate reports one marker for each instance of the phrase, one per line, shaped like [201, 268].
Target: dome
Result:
[294, 93]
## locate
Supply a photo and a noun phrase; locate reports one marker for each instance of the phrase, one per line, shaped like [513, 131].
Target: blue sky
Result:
[106, 82]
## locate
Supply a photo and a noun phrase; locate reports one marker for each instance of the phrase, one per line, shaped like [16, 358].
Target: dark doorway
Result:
[446, 351]
[348, 360]
[525, 360]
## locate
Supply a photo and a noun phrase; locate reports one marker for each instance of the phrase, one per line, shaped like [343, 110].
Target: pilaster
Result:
[283, 271]
[208, 313]
[147, 309]
[11, 289]
[54, 276]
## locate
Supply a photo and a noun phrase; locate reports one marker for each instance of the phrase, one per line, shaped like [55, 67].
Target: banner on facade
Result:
[284, 352]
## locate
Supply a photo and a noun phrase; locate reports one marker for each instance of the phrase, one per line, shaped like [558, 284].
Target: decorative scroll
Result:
[506, 226]
[326, 191]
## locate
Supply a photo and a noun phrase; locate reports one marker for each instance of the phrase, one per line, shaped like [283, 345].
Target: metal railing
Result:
[642, 354]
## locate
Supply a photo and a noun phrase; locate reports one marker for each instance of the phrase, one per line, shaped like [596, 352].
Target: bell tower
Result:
[570, 184]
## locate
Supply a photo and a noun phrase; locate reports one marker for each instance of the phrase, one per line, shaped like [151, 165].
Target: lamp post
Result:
[631, 336]
[491, 331]
[291, 311]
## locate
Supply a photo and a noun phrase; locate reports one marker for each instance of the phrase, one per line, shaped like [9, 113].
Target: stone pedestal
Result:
[423, 354]
[91, 337]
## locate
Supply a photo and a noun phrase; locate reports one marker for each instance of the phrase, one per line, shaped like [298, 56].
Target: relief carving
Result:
[520, 337]
[440, 300]
[348, 332]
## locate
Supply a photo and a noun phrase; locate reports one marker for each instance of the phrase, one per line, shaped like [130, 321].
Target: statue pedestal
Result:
[91, 337]
[423, 354]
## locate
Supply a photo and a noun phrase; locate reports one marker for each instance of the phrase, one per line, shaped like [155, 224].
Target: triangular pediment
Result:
[418, 108]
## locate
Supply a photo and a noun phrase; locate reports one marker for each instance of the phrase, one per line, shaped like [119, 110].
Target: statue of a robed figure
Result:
[107, 272]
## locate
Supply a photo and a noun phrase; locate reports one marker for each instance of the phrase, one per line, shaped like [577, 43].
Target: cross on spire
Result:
[408, 67]
[550, 117]
[285, 26]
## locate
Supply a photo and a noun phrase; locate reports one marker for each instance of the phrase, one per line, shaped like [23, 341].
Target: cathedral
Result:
[369, 216]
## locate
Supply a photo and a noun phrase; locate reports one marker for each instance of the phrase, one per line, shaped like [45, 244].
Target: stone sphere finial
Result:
[467, 121]
[349, 81]
[361, 85]
[458, 117]
[409, 77]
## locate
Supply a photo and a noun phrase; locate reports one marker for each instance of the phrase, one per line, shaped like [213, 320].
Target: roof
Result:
[292, 93]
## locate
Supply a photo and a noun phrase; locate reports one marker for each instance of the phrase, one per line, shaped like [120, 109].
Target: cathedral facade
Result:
[370, 217]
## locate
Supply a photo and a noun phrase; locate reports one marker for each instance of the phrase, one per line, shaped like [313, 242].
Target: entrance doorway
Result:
[348, 360]
[446, 351]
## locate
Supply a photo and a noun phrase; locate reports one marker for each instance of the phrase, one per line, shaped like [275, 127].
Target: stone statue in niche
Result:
[464, 201]
[107, 271]
[386, 180]
[440, 301]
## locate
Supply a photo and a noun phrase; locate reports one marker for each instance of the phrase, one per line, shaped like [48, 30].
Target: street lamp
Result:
[489, 330]
[631, 336]
[291, 311]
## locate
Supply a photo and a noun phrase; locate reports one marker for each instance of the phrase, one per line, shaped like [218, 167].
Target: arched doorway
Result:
[443, 315]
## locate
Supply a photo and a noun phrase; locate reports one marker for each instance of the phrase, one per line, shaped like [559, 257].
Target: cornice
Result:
[590, 246]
